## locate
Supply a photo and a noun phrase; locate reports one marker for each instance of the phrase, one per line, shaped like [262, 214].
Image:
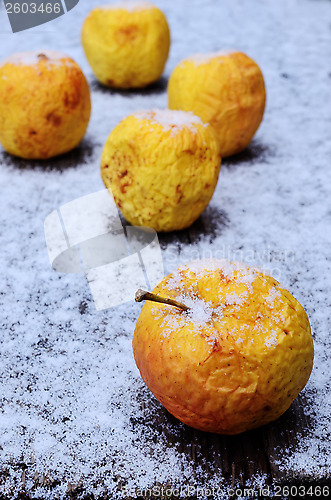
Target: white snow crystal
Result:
[129, 5]
[32, 58]
[171, 120]
[200, 59]
[68, 374]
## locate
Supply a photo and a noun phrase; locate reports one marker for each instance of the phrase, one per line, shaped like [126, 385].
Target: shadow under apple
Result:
[234, 459]
[158, 87]
[255, 152]
[80, 155]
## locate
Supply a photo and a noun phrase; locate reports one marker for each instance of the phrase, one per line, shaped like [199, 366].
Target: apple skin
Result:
[126, 47]
[161, 176]
[225, 89]
[237, 360]
[45, 104]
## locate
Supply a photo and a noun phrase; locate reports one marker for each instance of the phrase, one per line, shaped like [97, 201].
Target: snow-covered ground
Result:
[71, 396]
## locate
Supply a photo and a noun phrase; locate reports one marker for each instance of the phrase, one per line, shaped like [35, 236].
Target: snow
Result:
[199, 59]
[272, 296]
[32, 58]
[171, 120]
[272, 340]
[202, 315]
[204, 266]
[74, 407]
[129, 5]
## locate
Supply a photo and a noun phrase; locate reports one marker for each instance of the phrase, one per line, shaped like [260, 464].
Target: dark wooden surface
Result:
[242, 458]
[238, 461]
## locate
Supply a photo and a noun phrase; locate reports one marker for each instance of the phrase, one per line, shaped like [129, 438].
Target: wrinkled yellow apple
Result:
[44, 104]
[162, 168]
[226, 90]
[236, 359]
[126, 44]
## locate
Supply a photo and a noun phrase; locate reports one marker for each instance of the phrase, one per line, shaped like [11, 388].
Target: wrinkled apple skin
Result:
[237, 371]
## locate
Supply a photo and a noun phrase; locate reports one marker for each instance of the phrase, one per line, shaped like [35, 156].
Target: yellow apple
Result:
[44, 104]
[236, 359]
[126, 44]
[225, 89]
[162, 168]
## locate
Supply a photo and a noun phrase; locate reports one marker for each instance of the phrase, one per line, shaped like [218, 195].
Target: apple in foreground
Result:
[228, 352]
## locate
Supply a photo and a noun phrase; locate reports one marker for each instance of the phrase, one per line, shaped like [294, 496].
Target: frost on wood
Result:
[74, 409]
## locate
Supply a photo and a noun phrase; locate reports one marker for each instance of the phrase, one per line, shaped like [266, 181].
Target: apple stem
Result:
[143, 295]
